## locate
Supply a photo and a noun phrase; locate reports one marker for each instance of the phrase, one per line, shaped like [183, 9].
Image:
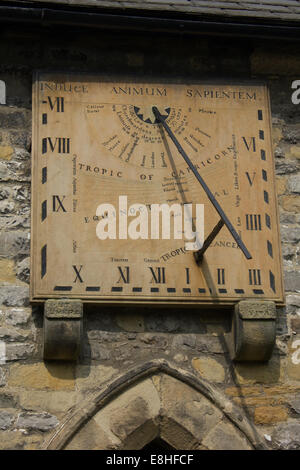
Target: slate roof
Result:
[280, 10]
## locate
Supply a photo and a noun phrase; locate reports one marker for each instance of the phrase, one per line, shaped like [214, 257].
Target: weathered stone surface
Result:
[6, 419]
[91, 437]
[251, 373]
[6, 152]
[16, 351]
[50, 401]
[36, 421]
[210, 344]
[209, 369]
[295, 404]
[243, 391]
[187, 341]
[270, 414]
[291, 133]
[130, 322]
[15, 243]
[2, 378]
[290, 235]
[6, 207]
[90, 377]
[280, 186]
[250, 310]
[13, 440]
[14, 296]
[295, 325]
[7, 273]
[286, 167]
[7, 400]
[294, 184]
[293, 300]
[14, 221]
[291, 203]
[124, 421]
[130, 413]
[287, 436]
[23, 270]
[43, 376]
[294, 152]
[287, 218]
[17, 316]
[187, 408]
[292, 281]
[225, 437]
[11, 334]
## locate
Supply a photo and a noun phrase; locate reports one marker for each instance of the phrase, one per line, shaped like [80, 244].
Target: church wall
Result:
[35, 395]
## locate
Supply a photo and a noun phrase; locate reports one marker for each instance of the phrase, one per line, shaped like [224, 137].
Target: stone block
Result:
[290, 234]
[292, 281]
[14, 243]
[49, 401]
[12, 335]
[6, 152]
[42, 376]
[209, 369]
[90, 437]
[280, 186]
[130, 322]
[225, 437]
[23, 270]
[7, 272]
[2, 378]
[294, 184]
[291, 203]
[186, 407]
[6, 419]
[287, 436]
[36, 421]
[14, 296]
[269, 415]
[7, 400]
[88, 377]
[17, 351]
[17, 316]
[6, 207]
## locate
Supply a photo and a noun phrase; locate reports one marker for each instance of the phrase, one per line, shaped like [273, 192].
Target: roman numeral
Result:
[254, 277]
[57, 203]
[59, 145]
[253, 222]
[124, 276]
[250, 143]
[77, 271]
[221, 276]
[249, 177]
[58, 104]
[158, 275]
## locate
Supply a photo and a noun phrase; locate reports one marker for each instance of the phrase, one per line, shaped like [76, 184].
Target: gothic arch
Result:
[156, 399]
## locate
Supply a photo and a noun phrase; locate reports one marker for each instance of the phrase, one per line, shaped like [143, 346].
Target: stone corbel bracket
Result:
[253, 332]
[62, 329]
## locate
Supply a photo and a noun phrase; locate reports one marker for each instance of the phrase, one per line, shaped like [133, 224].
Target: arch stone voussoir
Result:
[156, 399]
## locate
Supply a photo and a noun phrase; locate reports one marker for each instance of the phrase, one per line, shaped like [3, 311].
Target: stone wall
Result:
[34, 396]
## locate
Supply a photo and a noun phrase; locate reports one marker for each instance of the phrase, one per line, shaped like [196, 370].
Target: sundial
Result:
[131, 146]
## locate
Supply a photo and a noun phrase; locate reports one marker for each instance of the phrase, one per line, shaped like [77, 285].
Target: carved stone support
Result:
[62, 329]
[252, 337]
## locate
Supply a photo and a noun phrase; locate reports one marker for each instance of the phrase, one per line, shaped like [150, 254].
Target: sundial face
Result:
[95, 140]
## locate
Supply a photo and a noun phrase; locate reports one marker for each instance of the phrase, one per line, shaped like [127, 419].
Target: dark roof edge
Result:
[28, 13]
